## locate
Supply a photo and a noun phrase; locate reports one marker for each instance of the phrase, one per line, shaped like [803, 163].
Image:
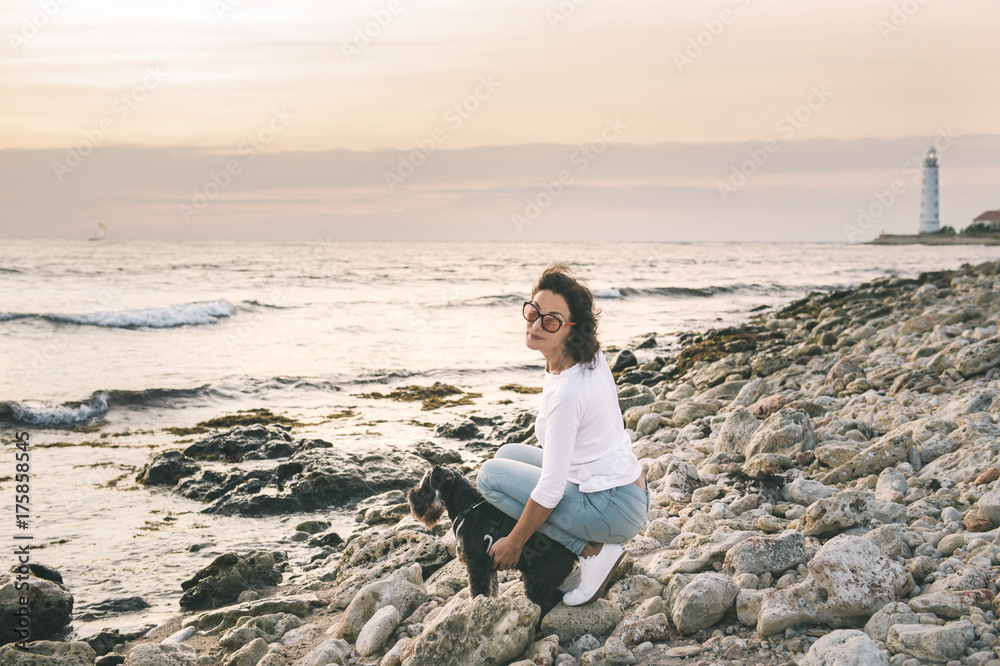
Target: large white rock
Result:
[703, 602]
[377, 630]
[404, 590]
[849, 577]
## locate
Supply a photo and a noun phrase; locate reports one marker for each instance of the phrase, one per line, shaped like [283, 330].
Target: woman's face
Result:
[538, 338]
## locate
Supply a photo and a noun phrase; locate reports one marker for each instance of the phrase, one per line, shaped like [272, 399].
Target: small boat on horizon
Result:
[101, 233]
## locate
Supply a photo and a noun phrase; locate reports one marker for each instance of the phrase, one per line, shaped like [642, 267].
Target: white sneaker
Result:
[595, 571]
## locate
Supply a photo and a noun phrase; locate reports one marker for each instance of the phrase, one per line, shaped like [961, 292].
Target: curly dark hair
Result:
[582, 343]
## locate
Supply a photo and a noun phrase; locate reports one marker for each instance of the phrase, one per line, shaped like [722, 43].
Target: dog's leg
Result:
[482, 580]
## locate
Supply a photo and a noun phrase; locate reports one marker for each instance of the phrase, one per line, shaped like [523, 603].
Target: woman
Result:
[584, 488]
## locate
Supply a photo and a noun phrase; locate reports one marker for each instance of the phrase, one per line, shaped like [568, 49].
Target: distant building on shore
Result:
[990, 220]
[930, 222]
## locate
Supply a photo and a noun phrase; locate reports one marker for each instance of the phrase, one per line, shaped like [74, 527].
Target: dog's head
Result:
[425, 498]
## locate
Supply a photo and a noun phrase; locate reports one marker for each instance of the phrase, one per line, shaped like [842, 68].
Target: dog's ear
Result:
[441, 476]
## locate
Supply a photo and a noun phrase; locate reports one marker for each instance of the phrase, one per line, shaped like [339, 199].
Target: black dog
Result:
[544, 563]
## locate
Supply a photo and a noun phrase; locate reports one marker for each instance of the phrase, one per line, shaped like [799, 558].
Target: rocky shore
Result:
[826, 490]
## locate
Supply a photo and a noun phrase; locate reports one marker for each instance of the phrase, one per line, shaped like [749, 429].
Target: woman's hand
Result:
[505, 553]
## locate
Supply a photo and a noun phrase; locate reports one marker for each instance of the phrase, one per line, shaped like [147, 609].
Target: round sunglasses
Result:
[550, 323]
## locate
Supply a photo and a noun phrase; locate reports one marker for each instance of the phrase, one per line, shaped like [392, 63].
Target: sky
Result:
[675, 120]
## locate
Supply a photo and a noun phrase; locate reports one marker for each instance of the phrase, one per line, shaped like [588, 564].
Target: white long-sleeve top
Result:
[580, 429]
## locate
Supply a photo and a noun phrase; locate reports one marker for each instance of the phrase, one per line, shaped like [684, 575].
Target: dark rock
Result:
[624, 359]
[110, 660]
[311, 479]
[462, 430]
[437, 455]
[105, 641]
[253, 442]
[648, 343]
[40, 570]
[636, 377]
[312, 526]
[166, 469]
[222, 581]
[116, 606]
[326, 539]
[50, 605]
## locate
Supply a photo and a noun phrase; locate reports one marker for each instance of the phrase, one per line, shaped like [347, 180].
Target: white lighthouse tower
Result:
[929, 218]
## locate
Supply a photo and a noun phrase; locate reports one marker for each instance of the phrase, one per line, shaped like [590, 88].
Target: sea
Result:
[105, 345]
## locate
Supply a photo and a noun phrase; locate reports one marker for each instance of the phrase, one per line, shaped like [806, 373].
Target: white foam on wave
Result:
[610, 292]
[191, 314]
[47, 414]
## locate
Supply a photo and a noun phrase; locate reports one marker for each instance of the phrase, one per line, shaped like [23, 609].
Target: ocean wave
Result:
[186, 314]
[76, 412]
[46, 414]
[616, 293]
[257, 304]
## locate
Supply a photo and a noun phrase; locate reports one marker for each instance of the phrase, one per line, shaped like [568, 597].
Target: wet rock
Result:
[929, 642]
[838, 513]
[382, 508]
[787, 431]
[624, 359]
[845, 647]
[314, 478]
[878, 624]
[222, 581]
[115, 606]
[48, 653]
[736, 432]
[166, 469]
[759, 554]
[404, 590]
[848, 578]
[437, 455]
[50, 605]
[462, 430]
[239, 443]
[486, 630]
[703, 602]
[570, 622]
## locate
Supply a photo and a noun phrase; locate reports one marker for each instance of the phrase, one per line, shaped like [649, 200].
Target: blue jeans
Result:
[607, 516]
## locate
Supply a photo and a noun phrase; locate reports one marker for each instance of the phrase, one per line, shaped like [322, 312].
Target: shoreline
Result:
[812, 393]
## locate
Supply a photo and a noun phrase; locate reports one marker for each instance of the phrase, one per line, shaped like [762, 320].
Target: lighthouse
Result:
[929, 219]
